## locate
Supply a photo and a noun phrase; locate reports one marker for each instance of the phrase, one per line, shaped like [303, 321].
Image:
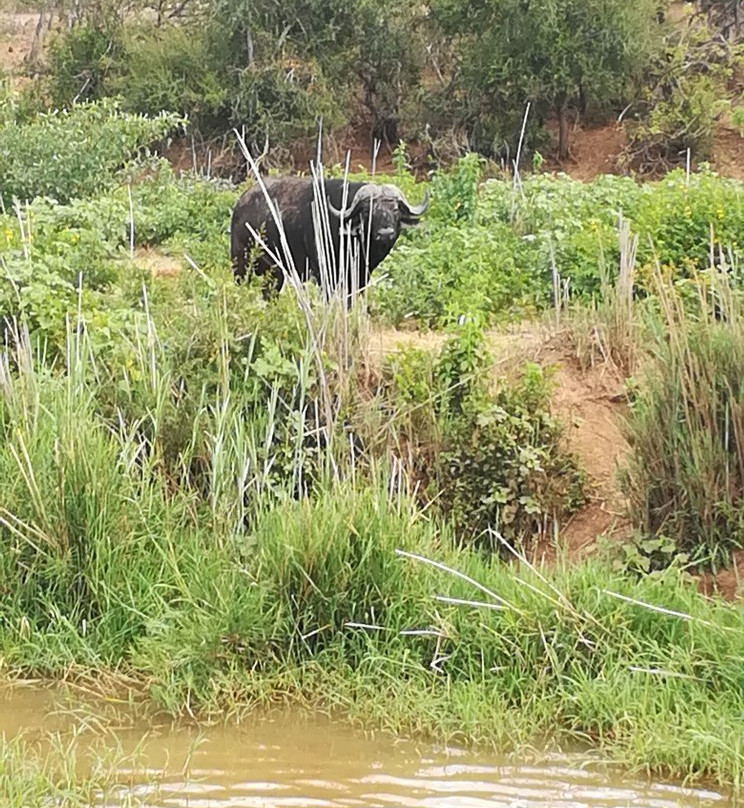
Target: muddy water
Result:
[287, 760]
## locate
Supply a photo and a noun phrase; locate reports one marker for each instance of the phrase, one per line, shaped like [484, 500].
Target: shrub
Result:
[683, 98]
[677, 217]
[567, 222]
[455, 192]
[558, 55]
[576, 224]
[481, 271]
[171, 68]
[489, 460]
[79, 61]
[76, 152]
[283, 100]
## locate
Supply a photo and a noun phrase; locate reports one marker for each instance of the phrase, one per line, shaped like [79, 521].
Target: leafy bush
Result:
[488, 250]
[77, 260]
[74, 153]
[171, 68]
[560, 56]
[567, 223]
[576, 224]
[677, 217]
[481, 271]
[79, 61]
[490, 461]
[455, 192]
[283, 100]
[683, 98]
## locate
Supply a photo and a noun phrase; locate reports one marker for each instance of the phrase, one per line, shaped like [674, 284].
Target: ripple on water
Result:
[326, 775]
[294, 762]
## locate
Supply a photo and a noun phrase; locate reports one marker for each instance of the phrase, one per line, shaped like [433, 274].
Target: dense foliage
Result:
[560, 55]
[686, 475]
[498, 260]
[492, 461]
[452, 75]
[66, 154]
[227, 499]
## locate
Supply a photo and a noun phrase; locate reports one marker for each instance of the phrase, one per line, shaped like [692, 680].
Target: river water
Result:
[286, 760]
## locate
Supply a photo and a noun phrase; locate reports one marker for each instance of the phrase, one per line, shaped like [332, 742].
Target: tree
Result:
[560, 55]
[725, 16]
[295, 59]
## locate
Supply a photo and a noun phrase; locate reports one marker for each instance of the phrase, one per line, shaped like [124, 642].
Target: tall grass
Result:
[609, 330]
[191, 509]
[57, 769]
[686, 428]
[107, 565]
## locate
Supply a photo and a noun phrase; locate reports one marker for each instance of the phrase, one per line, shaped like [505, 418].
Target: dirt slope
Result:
[589, 402]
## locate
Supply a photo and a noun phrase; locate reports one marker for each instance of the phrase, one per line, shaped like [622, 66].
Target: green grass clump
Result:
[58, 770]
[686, 427]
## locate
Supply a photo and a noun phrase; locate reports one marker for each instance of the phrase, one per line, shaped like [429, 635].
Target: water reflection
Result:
[291, 762]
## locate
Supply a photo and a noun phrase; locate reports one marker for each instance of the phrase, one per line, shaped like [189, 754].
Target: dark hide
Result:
[374, 221]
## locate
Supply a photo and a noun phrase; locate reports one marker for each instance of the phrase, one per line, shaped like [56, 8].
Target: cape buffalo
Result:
[371, 218]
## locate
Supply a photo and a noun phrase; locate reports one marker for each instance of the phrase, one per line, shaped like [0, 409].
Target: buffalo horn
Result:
[413, 210]
[371, 191]
[368, 191]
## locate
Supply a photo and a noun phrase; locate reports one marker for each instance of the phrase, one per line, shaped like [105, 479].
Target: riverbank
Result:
[65, 743]
[335, 608]
[221, 503]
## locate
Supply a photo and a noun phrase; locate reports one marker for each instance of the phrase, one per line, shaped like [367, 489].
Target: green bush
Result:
[489, 460]
[79, 61]
[559, 56]
[172, 68]
[488, 250]
[677, 218]
[282, 101]
[683, 97]
[452, 272]
[82, 248]
[571, 223]
[76, 152]
[455, 192]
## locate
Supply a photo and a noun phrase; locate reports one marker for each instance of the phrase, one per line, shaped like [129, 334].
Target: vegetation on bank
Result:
[448, 75]
[63, 771]
[225, 499]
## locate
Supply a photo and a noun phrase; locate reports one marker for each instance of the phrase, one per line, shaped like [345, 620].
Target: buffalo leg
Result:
[239, 256]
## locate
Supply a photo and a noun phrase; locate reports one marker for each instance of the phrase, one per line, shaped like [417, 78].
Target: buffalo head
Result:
[381, 211]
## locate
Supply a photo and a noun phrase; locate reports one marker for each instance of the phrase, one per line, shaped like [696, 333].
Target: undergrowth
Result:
[686, 475]
[221, 498]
